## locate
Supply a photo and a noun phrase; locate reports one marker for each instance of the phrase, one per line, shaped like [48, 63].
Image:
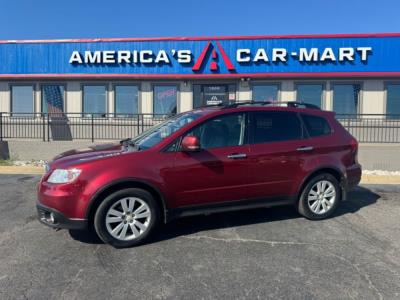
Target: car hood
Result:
[89, 151]
[77, 156]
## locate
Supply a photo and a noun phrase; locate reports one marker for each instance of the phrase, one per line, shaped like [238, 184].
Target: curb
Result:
[23, 170]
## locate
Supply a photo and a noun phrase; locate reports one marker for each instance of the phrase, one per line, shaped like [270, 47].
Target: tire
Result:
[135, 213]
[321, 188]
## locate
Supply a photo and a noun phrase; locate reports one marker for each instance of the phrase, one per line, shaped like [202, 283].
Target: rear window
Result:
[273, 126]
[316, 126]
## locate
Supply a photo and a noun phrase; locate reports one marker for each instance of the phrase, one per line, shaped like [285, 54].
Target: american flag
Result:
[54, 100]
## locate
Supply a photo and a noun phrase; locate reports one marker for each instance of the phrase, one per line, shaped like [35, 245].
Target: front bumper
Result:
[53, 218]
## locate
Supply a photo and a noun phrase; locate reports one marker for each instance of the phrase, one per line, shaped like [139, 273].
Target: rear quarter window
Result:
[275, 126]
[316, 126]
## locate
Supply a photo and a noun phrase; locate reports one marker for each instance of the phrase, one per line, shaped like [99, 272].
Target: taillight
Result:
[354, 149]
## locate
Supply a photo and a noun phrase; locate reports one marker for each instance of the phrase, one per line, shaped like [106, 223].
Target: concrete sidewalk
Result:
[366, 178]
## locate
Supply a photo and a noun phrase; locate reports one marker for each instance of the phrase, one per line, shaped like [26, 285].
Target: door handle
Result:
[237, 155]
[305, 148]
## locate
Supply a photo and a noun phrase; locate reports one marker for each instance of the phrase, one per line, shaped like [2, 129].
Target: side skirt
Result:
[205, 209]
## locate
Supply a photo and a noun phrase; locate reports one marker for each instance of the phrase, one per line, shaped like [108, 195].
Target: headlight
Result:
[63, 176]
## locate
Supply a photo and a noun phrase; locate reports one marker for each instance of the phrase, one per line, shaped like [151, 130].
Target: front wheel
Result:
[320, 197]
[126, 218]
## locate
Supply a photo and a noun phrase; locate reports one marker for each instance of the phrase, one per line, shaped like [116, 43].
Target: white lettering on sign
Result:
[124, 57]
[364, 52]
[279, 53]
[328, 55]
[92, 57]
[308, 55]
[162, 57]
[184, 56]
[346, 54]
[243, 55]
[75, 58]
[261, 55]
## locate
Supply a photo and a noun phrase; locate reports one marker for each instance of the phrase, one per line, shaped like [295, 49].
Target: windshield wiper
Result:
[130, 142]
[122, 142]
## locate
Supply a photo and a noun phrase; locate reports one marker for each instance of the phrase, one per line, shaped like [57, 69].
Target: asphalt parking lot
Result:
[263, 253]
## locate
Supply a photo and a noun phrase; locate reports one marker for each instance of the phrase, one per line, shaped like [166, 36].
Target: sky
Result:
[48, 19]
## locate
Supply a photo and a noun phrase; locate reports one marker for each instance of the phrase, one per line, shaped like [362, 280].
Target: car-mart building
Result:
[102, 86]
[350, 74]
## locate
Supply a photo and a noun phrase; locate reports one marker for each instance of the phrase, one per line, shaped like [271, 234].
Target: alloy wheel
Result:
[128, 218]
[321, 197]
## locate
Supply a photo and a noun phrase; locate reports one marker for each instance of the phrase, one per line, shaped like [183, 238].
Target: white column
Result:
[4, 97]
[185, 99]
[110, 98]
[287, 91]
[74, 98]
[146, 99]
[328, 96]
[373, 97]
[244, 91]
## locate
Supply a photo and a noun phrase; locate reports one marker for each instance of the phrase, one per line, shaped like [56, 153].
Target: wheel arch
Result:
[114, 186]
[334, 171]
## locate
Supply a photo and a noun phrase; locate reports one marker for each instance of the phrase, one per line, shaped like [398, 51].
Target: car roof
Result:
[294, 106]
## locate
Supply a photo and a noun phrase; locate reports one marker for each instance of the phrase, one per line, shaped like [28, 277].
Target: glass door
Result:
[213, 94]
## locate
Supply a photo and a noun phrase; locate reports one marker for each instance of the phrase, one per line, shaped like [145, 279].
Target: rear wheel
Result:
[320, 197]
[126, 218]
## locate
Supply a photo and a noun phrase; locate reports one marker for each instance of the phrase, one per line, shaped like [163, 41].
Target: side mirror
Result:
[190, 143]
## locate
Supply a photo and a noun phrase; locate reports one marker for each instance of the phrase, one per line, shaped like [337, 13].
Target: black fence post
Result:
[142, 129]
[1, 126]
[92, 128]
[44, 126]
[48, 127]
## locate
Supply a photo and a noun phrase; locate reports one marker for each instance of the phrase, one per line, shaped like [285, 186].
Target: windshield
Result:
[159, 132]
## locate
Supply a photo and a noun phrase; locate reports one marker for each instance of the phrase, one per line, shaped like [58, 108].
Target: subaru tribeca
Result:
[212, 159]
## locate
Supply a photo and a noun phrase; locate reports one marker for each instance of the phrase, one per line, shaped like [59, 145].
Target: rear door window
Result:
[316, 126]
[275, 126]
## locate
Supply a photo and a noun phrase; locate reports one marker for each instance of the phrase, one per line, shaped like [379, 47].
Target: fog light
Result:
[48, 217]
[51, 218]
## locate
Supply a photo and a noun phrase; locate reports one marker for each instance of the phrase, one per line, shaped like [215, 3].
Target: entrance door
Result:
[213, 94]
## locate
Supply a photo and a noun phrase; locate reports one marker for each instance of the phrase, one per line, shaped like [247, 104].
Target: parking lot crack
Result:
[72, 283]
[242, 240]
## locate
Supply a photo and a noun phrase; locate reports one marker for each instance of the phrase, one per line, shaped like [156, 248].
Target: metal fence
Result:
[372, 128]
[68, 127]
[367, 128]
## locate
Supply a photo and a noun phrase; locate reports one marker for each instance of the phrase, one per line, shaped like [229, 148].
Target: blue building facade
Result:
[351, 74]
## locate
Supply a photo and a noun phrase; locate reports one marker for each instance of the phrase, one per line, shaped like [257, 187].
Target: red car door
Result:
[277, 153]
[216, 173]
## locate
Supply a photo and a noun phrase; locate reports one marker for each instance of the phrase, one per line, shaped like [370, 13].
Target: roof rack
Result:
[273, 103]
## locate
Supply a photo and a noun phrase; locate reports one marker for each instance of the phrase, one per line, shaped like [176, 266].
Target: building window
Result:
[393, 100]
[265, 92]
[346, 98]
[53, 98]
[310, 93]
[94, 100]
[22, 99]
[126, 100]
[164, 99]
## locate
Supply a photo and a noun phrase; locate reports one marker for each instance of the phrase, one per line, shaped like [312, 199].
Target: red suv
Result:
[212, 159]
